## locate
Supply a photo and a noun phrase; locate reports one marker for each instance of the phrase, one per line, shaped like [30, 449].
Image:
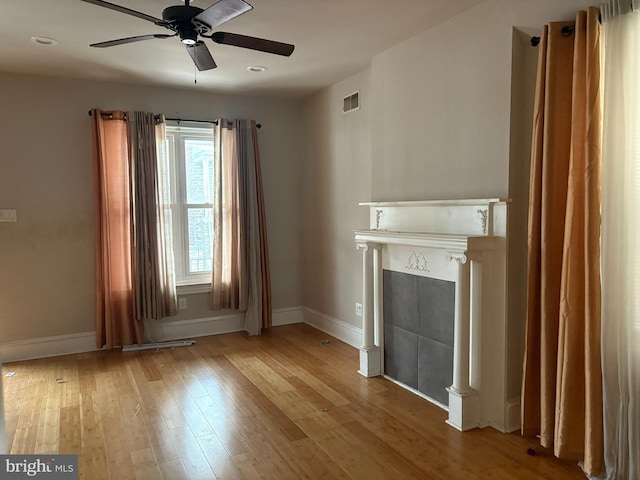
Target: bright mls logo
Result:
[42, 467]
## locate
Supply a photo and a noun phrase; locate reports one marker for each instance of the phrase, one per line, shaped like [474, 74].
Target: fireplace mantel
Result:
[457, 240]
[429, 240]
[469, 217]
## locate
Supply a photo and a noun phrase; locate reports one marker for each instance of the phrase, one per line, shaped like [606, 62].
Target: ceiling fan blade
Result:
[126, 10]
[253, 43]
[221, 12]
[201, 56]
[122, 41]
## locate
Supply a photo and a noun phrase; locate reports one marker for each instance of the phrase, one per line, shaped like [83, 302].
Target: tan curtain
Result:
[116, 324]
[240, 277]
[155, 290]
[562, 390]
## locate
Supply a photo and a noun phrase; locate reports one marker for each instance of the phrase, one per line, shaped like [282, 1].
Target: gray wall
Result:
[47, 257]
[336, 177]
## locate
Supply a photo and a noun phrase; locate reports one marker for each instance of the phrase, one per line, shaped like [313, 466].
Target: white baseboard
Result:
[513, 415]
[47, 346]
[165, 331]
[337, 328]
[202, 327]
[288, 316]
[156, 332]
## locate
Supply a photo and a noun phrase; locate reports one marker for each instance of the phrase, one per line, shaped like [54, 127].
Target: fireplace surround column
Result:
[370, 355]
[463, 400]
[462, 326]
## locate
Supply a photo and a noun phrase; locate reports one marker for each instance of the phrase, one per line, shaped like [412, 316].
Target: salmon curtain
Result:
[116, 323]
[562, 378]
[135, 278]
[240, 273]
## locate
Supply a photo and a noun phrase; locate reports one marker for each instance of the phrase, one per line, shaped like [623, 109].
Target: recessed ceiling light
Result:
[44, 41]
[257, 68]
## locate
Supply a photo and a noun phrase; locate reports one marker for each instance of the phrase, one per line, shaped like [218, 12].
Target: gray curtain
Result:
[155, 291]
[240, 277]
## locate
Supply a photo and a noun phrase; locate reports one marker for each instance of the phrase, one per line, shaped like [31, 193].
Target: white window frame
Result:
[176, 134]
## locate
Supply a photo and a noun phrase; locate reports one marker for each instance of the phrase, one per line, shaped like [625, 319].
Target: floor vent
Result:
[157, 346]
[351, 102]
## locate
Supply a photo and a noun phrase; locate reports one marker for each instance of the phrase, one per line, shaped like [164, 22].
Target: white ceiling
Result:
[334, 39]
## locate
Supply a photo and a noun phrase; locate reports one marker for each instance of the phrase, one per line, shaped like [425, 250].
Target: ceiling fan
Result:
[189, 23]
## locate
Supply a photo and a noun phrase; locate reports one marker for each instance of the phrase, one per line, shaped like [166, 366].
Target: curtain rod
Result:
[215, 122]
[566, 31]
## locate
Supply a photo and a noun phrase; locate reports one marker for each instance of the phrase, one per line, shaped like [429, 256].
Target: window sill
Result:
[193, 289]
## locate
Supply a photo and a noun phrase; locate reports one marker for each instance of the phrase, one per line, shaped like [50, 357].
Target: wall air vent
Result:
[351, 102]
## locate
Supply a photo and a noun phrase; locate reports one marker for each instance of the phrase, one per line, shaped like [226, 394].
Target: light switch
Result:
[8, 215]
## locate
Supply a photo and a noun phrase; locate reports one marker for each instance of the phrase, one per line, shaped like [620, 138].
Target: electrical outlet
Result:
[8, 215]
[358, 309]
[182, 303]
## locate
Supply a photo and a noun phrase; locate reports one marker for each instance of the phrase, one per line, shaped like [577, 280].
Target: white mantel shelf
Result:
[463, 241]
[469, 217]
[429, 240]
[429, 203]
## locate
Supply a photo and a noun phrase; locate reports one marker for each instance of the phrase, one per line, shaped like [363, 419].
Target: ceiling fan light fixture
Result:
[257, 68]
[189, 38]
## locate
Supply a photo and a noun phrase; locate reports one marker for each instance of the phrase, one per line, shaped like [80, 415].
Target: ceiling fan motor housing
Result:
[179, 19]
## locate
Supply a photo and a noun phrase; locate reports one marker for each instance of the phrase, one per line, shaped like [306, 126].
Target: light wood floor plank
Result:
[283, 405]
[173, 470]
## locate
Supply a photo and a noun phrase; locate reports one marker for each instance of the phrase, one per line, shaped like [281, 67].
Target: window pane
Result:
[199, 169]
[200, 239]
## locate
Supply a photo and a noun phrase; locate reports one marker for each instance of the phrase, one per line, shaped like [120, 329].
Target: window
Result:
[190, 155]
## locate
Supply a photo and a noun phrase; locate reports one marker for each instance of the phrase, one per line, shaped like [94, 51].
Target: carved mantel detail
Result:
[417, 262]
[379, 213]
[458, 256]
[483, 219]
[362, 246]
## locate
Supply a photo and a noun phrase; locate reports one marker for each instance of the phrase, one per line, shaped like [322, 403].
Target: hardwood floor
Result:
[278, 406]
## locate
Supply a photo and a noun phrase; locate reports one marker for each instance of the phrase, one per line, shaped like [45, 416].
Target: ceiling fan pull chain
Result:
[195, 75]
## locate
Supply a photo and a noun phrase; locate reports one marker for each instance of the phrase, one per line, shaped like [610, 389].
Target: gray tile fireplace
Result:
[434, 305]
[418, 332]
